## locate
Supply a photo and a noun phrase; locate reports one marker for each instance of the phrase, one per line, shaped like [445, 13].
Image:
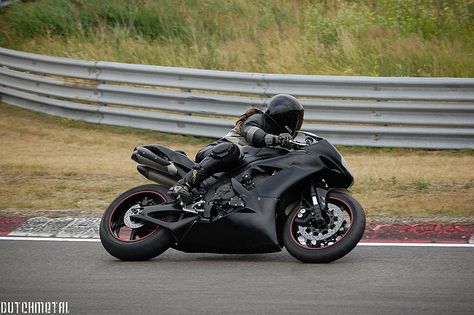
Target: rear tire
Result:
[144, 242]
[302, 248]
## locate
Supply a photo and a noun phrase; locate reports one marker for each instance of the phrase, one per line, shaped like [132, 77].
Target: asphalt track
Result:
[370, 280]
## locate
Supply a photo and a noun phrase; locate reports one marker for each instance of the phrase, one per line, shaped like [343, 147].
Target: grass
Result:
[338, 37]
[53, 163]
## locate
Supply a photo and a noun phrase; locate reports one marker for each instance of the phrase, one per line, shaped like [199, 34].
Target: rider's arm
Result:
[254, 133]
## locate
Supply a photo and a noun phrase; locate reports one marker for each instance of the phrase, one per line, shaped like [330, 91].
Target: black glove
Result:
[284, 140]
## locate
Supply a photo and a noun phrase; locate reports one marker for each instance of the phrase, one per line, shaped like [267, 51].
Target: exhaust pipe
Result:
[156, 176]
[144, 156]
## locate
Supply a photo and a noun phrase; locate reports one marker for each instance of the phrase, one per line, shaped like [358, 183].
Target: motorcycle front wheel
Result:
[327, 240]
[127, 239]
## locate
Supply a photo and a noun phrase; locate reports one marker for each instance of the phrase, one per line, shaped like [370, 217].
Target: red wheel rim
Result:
[123, 233]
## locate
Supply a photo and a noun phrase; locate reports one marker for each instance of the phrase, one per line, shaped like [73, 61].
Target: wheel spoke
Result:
[133, 234]
[117, 227]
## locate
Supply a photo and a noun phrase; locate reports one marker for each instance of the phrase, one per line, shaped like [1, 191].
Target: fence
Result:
[4, 3]
[362, 111]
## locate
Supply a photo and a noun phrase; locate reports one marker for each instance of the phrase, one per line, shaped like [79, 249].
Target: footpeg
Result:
[194, 208]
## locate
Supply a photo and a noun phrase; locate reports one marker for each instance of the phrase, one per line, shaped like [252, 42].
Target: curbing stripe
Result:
[375, 244]
[376, 233]
[59, 227]
[30, 227]
[83, 228]
[363, 244]
[48, 239]
[422, 232]
[10, 223]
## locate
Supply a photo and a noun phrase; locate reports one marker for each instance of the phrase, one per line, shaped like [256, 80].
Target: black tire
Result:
[338, 249]
[147, 241]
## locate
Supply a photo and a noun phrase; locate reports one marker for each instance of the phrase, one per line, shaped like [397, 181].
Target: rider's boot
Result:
[183, 188]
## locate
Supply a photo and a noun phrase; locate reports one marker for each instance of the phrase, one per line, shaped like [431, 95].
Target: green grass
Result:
[377, 38]
[93, 166]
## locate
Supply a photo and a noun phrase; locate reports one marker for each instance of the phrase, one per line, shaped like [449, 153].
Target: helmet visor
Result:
[291, 122]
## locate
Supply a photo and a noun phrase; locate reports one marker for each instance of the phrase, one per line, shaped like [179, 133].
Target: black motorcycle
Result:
[273, 198]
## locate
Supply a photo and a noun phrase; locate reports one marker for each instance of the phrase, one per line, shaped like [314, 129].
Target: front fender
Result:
[337, 189]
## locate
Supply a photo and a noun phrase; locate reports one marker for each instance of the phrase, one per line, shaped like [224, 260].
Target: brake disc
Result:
[313, 234]
[136, 209]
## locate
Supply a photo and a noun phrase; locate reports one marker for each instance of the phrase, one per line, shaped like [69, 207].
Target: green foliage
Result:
[52, 16]
[421, 185]
[176, 21]
[158, 19]
[425, 18]
[328, 28]
[345, 37]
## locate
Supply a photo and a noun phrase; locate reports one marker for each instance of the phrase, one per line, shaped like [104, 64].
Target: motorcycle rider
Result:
[275, 127]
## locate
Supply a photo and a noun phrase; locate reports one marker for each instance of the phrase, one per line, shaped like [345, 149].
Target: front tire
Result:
[126, 239]
[343, 228]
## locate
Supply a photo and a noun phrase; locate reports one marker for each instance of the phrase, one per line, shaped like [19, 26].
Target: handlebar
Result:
[309, 140]
[300, 144]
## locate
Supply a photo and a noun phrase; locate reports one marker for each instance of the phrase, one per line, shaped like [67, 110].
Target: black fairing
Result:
[238, 232]
[336, 174]
[276, 175]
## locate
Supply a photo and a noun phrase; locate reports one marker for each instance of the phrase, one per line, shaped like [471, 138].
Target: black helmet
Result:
[286, 113]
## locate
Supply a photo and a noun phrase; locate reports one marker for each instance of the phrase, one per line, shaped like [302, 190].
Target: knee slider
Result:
[224, 150]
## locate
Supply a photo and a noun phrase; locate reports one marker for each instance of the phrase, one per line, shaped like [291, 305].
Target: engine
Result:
[225, 201]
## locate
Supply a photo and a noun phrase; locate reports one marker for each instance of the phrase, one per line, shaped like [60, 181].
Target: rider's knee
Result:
[225, 151]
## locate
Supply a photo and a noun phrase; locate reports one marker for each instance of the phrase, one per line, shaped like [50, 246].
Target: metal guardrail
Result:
[366, 111]
[4, 3]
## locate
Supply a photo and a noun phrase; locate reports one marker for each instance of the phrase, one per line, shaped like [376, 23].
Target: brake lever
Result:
[299, 144]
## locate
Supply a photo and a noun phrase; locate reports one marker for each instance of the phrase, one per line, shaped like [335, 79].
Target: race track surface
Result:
[370, 280]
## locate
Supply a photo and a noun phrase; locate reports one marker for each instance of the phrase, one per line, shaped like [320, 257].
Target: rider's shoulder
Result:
[256, 117]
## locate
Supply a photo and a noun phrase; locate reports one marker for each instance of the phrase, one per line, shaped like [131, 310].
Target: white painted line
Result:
[415, 244]
[96, 240]
[49, 239]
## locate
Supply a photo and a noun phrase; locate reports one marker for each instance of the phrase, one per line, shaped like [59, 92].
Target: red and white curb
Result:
[456, 233]
[70, 229]
[47, 227]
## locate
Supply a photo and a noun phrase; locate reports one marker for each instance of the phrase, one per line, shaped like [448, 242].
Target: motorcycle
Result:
[272, 198]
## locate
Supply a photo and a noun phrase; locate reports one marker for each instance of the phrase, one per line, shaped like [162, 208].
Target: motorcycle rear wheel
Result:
[343, 229]
[126, 239]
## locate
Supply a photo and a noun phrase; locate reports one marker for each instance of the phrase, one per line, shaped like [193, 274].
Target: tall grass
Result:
[94, 166]
[379, 38]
